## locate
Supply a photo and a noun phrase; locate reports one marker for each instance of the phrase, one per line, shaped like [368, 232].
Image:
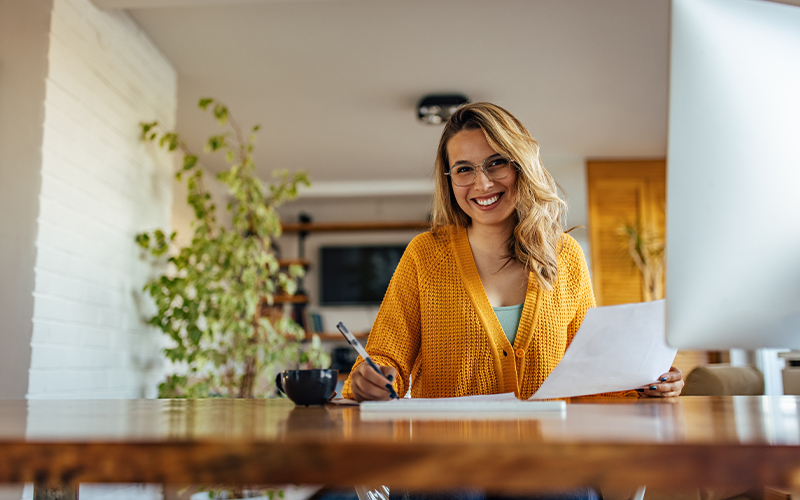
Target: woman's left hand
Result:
[669, 385]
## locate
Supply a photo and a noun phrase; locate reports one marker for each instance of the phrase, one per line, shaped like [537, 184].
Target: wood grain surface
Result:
[740, 441]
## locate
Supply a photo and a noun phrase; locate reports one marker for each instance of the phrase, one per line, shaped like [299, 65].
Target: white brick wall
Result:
[100, 186]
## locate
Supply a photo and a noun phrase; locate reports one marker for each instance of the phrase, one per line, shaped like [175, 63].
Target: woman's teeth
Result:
[487, 201]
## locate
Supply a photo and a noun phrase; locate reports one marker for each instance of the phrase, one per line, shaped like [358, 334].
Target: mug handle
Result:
[279, 383]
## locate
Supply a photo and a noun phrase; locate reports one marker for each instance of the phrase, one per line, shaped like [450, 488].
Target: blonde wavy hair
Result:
[537, 236]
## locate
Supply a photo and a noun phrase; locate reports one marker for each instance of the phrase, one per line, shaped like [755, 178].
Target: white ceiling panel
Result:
[334, 84]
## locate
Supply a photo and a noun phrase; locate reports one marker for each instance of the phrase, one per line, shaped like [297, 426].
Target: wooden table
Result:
[737, 441]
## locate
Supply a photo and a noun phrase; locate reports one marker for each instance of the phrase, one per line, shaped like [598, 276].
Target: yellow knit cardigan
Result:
[437, 327]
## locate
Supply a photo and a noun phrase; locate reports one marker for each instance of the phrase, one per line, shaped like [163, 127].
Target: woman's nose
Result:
[482, 181]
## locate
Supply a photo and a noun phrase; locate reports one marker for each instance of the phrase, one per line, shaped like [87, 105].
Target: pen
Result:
[361, 351]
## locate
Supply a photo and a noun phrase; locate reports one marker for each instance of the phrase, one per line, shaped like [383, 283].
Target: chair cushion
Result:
[724, 380]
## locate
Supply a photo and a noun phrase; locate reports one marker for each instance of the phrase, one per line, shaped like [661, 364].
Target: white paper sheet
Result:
[414, 402]
[410, 404]
[488, 407]
[617, 348]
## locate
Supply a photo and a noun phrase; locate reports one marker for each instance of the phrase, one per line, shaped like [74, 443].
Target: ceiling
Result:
[334, 83]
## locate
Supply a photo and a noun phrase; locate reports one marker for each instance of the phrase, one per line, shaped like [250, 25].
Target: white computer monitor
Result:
[733, 175]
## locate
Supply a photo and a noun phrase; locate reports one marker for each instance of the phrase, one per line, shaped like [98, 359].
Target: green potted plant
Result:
[216, 298]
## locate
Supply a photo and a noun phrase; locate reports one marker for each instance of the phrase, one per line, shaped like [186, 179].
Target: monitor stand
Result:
[791, 373]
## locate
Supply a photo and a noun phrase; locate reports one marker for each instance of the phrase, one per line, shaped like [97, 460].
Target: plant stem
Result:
[239, 138]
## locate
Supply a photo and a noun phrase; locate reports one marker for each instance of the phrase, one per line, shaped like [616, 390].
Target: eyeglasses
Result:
[495, 167]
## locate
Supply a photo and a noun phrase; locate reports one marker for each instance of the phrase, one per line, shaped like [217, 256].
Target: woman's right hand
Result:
[368, 385]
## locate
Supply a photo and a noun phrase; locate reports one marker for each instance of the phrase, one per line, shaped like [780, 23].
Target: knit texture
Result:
[437, 327]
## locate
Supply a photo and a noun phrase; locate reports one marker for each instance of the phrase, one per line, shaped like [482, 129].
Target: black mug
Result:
[308, 387]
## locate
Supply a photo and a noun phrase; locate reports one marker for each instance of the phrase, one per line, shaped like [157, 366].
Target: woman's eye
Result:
[464, 169]
[497, 162]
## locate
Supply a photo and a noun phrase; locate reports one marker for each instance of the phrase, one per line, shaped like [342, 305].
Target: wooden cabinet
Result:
[620, 193]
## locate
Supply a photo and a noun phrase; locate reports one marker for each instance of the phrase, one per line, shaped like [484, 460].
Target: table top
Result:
[703, 441]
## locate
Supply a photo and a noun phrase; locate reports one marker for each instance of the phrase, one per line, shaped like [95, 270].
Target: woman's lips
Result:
[488, 201]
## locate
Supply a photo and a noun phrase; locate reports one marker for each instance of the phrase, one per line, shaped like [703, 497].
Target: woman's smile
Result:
[487, 201]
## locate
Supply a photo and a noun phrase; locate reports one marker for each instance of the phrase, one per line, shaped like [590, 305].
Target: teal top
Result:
[509, 316]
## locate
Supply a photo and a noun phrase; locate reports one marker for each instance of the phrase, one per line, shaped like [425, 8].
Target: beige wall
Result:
[24, 42]
[24, 28]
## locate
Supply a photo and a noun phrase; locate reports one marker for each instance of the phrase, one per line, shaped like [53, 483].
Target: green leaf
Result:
[216, 142]
[221, 113]
[170, 139]
[195, 334]
[145, 130]
[143, 239]
[204, 102]
[189, 161]
[296, 271]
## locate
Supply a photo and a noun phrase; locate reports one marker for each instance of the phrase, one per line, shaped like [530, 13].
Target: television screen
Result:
[357, 275]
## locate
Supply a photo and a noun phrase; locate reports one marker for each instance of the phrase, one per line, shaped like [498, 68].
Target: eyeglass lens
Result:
[496, 167]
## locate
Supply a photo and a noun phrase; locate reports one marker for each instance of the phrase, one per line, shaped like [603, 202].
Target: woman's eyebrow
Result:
[468, 163]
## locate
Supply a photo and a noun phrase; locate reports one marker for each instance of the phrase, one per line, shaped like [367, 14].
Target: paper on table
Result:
[617, 348]
[490, 406]
[412, 402]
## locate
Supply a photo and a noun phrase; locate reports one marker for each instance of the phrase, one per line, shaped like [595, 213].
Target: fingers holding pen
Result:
[390, 374]
[369, 385]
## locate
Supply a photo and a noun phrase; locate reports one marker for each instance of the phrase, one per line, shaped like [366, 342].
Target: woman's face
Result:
[488, 202]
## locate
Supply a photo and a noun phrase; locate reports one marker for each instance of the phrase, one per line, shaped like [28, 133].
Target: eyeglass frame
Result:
[483, 168]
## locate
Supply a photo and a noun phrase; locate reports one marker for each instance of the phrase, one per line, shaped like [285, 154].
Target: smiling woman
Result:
[488, 301]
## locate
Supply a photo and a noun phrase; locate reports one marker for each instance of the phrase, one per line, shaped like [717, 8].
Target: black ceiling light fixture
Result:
[437, 108]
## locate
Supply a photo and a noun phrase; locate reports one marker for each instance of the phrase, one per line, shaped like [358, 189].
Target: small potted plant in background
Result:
[645, 246]
[216, 299]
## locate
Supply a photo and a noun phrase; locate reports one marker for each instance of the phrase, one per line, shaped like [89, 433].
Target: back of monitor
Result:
[733, 175]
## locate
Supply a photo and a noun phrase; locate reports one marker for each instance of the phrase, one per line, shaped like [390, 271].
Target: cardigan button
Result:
[520, 353]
